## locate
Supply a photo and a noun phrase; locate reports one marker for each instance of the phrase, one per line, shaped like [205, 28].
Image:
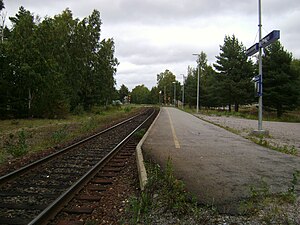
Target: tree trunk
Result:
[29, 99]
[229, 107]
[279, 111]
[236, 107]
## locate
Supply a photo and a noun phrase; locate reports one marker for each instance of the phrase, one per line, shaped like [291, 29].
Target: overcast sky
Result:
[154, 35]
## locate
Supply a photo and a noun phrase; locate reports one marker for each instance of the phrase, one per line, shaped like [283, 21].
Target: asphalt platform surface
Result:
[219, 167]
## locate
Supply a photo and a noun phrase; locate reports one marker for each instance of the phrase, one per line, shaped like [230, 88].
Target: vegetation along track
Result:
[36, 193]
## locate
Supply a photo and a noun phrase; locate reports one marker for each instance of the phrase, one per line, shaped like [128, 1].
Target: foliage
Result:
[18, 148]
[140, 95]
[166, 86]
[190, 87]
[50, 66]
[234, 74]
[155, 97]
[209, 86]
[270, 206]
[123, 92]
[60, 134]
[291, 150]
[140, 133]
[164, 193]
[281, 79]
[127, 109]
[32, 135]
[1, 5]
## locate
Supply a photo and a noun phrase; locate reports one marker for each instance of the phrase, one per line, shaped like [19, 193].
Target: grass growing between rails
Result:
[20, 137]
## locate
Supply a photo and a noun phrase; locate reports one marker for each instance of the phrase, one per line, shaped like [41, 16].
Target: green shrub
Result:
[17, 147]
[127, 109]
[90, 124]
[78, 110]
[140, 133]
[162, 191]
[98, 110]
[59, 134]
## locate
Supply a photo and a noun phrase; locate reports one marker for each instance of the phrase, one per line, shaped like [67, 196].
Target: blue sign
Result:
[252, 50]
[257, 85]
[270, 38]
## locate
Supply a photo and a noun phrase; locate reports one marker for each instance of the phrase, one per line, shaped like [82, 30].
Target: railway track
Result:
[36, 193]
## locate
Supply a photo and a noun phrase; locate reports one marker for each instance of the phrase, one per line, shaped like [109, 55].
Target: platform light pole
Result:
[174, 82]
[260, 69]
[182, 90]
[198, 83]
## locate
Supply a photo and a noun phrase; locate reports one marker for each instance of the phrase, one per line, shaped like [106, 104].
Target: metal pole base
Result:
[260, 133]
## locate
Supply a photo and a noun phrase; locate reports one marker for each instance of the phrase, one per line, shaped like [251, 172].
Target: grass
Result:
[260, 140]
[291, 150]
[166, 201]
[140, 133]
[164, 194]
[271, 207]
[17, 146]
[20, 137]
[251, 113]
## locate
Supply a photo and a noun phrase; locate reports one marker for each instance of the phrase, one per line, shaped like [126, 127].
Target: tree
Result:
[50, 66]
[209, 96]
[106, 69]
[192, 80]
[190, 87]
[25, 80]
[280, 79]
[166, 86]
[140, 95]
[1, 5]
[154, 96]
[235, 72]
[123, 92]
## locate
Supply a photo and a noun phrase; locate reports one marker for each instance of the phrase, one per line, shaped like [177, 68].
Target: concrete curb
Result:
[140, 159]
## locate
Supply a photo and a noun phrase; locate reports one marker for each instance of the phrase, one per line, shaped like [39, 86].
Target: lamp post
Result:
[182, 90]
[260, 69]
[174, 82]
[198, 84]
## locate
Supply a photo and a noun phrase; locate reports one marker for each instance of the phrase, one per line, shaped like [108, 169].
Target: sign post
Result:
[257, 47]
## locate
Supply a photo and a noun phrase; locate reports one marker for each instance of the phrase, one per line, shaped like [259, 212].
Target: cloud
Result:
[154, 35]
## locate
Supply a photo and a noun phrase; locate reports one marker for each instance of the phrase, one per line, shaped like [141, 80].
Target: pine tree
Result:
[280, 79]
[235, 73]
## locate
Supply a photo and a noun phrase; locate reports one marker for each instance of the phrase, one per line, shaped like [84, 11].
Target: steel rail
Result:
[32, 165]
[56, 205]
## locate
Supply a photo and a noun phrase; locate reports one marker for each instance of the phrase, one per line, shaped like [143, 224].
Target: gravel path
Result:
[281, 133]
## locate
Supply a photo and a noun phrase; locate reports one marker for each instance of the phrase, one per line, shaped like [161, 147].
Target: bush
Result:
[18, 148]
[78, 110]
[127, 109]
[59, 134]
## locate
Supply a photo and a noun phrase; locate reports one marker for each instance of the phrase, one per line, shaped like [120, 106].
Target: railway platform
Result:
[217, 166]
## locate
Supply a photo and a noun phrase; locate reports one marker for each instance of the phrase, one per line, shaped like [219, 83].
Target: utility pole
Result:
[174, 82]
[165, 95]
[182, 91]
[260, 68]
[198, 84]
